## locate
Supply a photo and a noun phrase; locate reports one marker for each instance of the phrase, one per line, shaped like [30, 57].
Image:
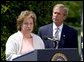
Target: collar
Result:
[55, 27]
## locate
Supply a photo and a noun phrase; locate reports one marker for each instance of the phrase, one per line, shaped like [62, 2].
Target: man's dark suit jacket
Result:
[69, 36]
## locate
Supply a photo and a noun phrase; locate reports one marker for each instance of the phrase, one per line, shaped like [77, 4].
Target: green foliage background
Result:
[43, 9]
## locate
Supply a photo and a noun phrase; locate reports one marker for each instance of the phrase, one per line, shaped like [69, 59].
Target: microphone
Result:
[49, 38]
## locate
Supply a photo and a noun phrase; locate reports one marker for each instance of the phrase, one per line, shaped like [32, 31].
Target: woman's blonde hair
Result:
[23, 15]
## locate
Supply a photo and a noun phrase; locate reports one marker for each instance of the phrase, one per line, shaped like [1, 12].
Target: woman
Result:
[24, 40]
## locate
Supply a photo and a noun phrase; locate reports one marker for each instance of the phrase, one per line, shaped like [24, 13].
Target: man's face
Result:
[58, 15]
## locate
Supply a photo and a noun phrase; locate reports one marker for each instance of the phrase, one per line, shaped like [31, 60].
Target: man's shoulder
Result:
[46, 26]
[70, 28]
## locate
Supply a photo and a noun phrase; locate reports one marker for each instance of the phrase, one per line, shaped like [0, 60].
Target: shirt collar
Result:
[55, 27]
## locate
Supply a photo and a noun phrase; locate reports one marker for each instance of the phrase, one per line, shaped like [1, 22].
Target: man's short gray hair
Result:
[62, 6]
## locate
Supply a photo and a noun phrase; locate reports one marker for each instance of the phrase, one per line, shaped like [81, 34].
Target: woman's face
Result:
[27, 26]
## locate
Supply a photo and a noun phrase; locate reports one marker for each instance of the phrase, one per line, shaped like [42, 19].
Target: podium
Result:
[64, 54]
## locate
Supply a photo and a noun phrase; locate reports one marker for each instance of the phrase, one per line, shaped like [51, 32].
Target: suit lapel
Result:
[63, 36]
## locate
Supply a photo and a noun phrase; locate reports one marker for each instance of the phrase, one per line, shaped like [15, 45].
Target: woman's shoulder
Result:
[15, 35]
[35, 35]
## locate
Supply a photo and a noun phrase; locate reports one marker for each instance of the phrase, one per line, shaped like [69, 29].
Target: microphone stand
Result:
[56, 41]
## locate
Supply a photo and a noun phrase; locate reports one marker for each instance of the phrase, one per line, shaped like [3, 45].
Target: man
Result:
[67, 35]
